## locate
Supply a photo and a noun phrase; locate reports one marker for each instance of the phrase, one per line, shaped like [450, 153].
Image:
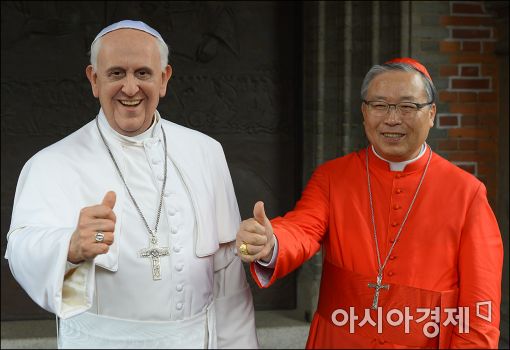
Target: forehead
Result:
[397, 84]
[128, 44]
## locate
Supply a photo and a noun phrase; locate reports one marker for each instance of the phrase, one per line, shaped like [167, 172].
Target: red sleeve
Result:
[480, 270]
[300, 231]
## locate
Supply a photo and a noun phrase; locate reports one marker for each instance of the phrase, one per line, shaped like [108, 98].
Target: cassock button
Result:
[176, 249]
[179, 267]
[381, 341]
[392, 240]
[179, 306]
[397, 207]
[392, 257]
[394, 224]
[179, 288]
[174, 230]
[398, 176]
[390, 273]
[398, 191]
[171, 211]
[155, 161]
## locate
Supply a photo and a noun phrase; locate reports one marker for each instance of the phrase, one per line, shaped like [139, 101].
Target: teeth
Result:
[392, 135]
[131, 103]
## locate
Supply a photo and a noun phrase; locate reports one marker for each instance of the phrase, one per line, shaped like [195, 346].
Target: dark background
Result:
[236, 77]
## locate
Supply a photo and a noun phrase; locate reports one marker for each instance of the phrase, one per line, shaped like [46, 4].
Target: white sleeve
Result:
[43, 220]
[70, 266]
[271, 262]
[264, 271]
[233, 301]
[235, 316]
[37, 259]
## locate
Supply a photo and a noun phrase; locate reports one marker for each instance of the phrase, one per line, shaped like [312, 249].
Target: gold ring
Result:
[243, 249]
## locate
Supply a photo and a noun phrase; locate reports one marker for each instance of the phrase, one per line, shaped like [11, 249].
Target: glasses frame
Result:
[419, 106]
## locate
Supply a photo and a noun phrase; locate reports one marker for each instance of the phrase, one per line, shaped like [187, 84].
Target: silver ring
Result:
[99, 236]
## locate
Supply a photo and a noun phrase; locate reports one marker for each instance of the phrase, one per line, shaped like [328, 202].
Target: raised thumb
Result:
[109, 199]
[259, 214]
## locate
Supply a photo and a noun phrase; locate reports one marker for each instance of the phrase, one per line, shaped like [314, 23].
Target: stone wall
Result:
[463, 44]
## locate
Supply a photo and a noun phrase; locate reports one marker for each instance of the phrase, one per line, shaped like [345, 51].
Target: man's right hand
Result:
[83, 245]
[257, 234]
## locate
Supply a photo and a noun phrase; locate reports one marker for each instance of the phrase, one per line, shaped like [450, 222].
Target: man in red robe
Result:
[412, 253]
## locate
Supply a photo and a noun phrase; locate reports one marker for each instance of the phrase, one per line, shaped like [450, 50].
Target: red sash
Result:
[342, 289]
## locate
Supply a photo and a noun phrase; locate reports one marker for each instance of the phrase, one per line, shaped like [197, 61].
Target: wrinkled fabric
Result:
[76, 172]
[450, 244]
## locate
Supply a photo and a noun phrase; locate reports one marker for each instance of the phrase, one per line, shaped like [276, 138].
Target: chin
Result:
[393, 154]
[130, 122]
[128, 128]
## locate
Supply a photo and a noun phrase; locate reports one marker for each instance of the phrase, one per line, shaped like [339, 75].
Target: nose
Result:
[130, 86]
[393, 116]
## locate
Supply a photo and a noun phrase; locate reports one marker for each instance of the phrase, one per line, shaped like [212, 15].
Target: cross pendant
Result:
[154, 253]
[378, 286]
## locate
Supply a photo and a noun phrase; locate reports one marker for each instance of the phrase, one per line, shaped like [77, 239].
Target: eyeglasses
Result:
[405, 109]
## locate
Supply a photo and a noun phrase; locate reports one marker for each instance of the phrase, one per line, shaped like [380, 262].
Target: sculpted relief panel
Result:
[229, 104]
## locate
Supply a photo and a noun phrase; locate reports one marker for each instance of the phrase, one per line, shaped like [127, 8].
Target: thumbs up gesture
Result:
[94, 231]
[255, 239]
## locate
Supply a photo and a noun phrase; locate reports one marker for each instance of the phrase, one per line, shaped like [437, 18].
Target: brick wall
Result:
[469, 113]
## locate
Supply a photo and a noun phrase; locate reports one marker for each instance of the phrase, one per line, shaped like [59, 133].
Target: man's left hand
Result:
[257, 235]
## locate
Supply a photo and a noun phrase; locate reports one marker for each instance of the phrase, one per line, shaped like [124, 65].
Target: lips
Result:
[393, 135]
[130, 103]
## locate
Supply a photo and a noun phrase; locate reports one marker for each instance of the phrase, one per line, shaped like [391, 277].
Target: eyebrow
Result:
[401, 98]
[123, 69]
[114, 68]
[144, 68]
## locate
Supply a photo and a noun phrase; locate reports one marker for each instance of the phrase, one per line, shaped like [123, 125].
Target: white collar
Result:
[400, 166]
[133, 140]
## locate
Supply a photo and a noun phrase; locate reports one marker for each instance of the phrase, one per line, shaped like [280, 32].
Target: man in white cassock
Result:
[126, 229]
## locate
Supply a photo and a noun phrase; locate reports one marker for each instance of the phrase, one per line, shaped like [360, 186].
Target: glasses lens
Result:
[378, 108]
[407, 108]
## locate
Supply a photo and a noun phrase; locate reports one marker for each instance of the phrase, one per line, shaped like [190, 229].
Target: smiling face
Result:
[394, 137]
[129, 80]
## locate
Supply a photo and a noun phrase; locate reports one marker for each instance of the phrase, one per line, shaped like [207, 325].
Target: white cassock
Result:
[202, 299]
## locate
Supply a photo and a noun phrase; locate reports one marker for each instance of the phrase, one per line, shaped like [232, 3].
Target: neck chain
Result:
[379, 284]
[153, 234]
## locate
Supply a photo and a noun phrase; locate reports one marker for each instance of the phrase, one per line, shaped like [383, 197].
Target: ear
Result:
[92, 77]
[432, 114]
[364, 111]
[165, 77]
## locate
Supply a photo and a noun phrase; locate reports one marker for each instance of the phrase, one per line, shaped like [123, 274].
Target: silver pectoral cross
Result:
[154, 253]
[378, 286]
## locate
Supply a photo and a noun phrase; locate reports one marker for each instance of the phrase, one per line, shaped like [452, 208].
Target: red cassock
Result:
[447, 262]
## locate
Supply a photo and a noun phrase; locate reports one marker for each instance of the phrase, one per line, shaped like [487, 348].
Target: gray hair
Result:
[162, 46]
[379, 69]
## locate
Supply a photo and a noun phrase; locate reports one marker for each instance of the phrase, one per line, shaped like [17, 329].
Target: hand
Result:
[83, 245]
[257, 234]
